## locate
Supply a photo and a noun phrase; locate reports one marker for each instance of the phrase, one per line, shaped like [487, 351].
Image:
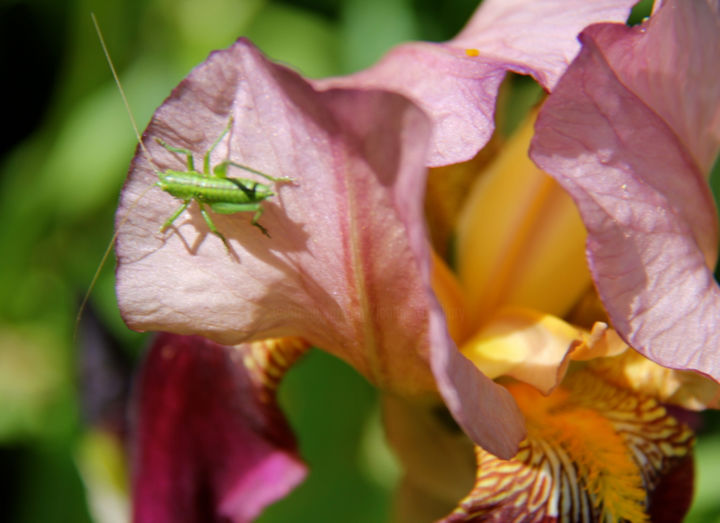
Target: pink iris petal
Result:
[338, 269]
[486, 412]
[630, 131]
[539, 38]
[347, 264]
[458, 91]
[208, 444]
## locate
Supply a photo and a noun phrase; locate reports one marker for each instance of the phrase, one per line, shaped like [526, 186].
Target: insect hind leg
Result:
[188, 153]
[255, 222]
[221, 170]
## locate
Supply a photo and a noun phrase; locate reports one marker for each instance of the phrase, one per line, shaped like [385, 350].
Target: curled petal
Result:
[529, 346]
[539, 38]
[457, 91]
[614, 139]
[593, 453]
[456, 82]
[536, 348]
[600, 342]
[210, 443]
[485, 411]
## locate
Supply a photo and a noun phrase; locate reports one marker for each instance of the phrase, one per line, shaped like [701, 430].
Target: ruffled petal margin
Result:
[210, 443]
[456, 82]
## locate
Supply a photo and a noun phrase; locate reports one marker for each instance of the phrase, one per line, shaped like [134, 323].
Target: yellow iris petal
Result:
[634, 371]
[528, 345]
[520, 238]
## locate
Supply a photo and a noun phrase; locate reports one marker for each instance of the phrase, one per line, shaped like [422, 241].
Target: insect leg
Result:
[255, 219]
[206, 158]
[232, 208]
[179, 150]
[174, 216]
[221, 168]
[212, 227]
[248, 191]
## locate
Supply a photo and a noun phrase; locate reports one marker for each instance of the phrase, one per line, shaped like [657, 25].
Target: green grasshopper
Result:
[222, 194]
[214, 188]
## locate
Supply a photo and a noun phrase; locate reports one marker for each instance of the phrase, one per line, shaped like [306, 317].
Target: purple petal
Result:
[210, 442]
[615, 134]
[458, 91]
[347, 267]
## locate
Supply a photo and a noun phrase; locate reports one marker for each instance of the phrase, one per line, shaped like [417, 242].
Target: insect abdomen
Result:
[190, 185]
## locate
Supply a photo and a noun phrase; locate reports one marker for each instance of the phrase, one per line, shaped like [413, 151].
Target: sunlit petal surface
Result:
[630, 132]
[343, 267]
[530, 346]
[538, 38]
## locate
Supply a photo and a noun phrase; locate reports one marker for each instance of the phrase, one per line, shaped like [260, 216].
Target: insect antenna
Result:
[104, 258]
[147, 155]
[122, 91]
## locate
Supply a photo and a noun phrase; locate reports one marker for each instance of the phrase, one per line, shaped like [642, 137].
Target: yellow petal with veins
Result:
[520, 238]
[594, 452]
[634, 371]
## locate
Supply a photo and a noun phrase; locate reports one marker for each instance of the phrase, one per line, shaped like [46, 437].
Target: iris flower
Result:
[563, 402]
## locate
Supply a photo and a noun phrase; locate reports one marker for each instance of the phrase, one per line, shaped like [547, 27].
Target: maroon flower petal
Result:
[629, 132]
[210, 443]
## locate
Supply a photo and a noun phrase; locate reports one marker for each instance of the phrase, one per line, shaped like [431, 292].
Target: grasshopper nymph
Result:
[222, 194]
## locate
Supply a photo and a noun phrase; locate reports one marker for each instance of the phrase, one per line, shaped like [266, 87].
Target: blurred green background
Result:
[63, 164]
